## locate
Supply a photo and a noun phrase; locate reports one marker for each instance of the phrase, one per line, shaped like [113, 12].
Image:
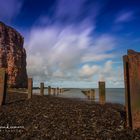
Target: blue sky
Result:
[75, 43]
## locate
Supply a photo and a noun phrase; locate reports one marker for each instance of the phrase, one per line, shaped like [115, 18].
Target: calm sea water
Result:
[113, 95]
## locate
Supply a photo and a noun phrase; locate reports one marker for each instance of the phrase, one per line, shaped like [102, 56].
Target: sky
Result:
[75, 43]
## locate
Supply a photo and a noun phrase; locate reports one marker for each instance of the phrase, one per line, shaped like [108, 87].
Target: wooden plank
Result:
[30, 87]
[102, 92]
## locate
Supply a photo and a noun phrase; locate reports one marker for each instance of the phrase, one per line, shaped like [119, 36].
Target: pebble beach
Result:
[56, 118]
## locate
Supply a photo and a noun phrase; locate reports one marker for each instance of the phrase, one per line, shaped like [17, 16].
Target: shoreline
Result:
[49, 117]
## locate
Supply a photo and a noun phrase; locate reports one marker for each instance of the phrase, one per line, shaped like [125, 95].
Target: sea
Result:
[113, 95]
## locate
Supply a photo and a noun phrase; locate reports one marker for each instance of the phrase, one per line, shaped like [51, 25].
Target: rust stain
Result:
[132, 88]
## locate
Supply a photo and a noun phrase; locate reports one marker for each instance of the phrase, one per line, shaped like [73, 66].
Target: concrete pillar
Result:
[49, 90]
[132, 88]
[102, 92]
[3, 86]
[30, 87]
[41, 89]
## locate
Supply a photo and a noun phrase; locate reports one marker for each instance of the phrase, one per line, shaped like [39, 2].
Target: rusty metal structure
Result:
[132, 88]
[3, 86]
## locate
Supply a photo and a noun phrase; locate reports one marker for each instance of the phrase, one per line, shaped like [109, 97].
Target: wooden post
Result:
[54, 91]
[3, 86]
[102, 92]
[57, 90]
[62, 90]
[92, 94]
[88, 94]
[49, 90]
[132, 88]
[30, 87]
[41, 89]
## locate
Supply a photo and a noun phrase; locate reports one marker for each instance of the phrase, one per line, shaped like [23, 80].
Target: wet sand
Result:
[49, 117]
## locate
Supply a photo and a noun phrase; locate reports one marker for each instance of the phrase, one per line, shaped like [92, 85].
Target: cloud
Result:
[69, 8]
[88, 71]
[125, 17]
[99, 49]
[77, 11]
[9, 9]
[66, 54]
[56, 50]
[113, 75]
[105, 72]
[57, 54]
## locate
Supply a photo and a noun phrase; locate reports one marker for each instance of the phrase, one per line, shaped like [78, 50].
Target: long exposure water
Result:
[113, 95]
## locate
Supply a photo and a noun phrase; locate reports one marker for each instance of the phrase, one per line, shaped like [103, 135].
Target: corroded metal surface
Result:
[132, 88]
[2, 86]
[30, 87]
[41, 89]
[102, 92]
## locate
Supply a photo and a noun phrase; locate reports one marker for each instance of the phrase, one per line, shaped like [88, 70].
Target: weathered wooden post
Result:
[62, 90]
[132, 88]
[88, 94]
[57, 90]
[53, 91]
[49, 90]
[3, 86]
[30, 87]
[41, 89]
[92, 94]
[102, 92]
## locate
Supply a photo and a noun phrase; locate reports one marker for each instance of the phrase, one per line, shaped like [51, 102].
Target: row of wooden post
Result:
[51, 91]
[3, 88]
[102, 95]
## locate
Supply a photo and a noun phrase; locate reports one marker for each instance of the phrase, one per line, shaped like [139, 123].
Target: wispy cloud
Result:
[56, 54]
[125, 17]
[68, 52]
[9, 9]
